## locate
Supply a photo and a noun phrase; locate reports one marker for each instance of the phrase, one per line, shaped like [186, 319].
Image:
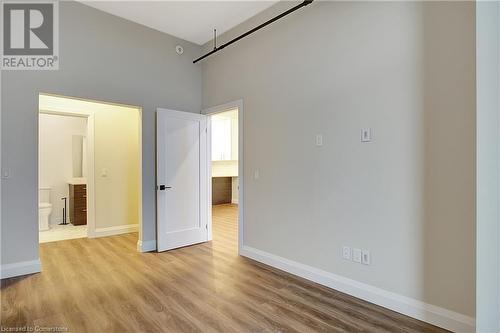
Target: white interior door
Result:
[182, 179]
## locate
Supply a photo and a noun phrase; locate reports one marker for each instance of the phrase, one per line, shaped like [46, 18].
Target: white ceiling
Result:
[193, 21]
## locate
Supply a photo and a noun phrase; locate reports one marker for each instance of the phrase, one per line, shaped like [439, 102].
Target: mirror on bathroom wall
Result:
[79, 151]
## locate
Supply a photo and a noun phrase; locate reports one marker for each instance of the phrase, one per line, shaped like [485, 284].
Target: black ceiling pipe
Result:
[217, 49]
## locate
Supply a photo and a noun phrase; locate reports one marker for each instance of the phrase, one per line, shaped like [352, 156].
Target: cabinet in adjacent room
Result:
[78, 204]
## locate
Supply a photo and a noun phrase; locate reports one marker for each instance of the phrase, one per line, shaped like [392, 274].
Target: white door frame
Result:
[238, 104]
[92, 231]
[90, 162]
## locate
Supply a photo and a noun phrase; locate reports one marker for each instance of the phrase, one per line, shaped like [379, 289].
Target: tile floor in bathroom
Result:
[62, 232]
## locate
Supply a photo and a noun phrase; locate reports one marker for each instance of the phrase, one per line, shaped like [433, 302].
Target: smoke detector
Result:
[179, 49]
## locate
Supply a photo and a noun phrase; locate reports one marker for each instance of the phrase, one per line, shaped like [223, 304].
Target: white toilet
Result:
[44, 208]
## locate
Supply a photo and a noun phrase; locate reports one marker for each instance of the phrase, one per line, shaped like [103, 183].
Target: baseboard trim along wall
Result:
[429, 313]
[20, 268]
[146, 246]
[234, 201]
[116, 230]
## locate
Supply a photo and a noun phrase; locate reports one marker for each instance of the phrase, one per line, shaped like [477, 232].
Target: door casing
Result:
[237, 104]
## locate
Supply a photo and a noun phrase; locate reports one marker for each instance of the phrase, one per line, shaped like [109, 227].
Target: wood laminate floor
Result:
[105, 285]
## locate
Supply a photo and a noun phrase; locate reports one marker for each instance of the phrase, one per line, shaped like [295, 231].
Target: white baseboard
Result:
[146, 246]
[234, 201]
[429, 313]
[20, 268]
[116, 230]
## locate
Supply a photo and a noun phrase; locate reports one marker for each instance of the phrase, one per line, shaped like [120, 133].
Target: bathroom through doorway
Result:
[90, 168]
[62, 168]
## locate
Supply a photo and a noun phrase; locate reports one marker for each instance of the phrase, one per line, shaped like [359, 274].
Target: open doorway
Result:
[90, 178]
[226, 173]
[62, 167]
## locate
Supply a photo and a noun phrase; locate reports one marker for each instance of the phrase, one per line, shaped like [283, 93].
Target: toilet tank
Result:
[44, 194]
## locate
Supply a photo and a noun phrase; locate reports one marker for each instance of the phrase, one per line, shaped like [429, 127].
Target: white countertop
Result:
[77, 181]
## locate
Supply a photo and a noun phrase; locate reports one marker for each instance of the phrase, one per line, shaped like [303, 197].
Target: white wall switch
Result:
[104, 172]
[319, 140]
[6, 173]
[356, 255]
[346, 253]
[365, 257]
[256, 174]
[366, 135]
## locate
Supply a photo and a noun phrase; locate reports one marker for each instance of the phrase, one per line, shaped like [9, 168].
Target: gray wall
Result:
[105, 58]
[407, 70]
[488, 166]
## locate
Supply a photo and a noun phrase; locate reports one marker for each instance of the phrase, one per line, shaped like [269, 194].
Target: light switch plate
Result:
[256, 174]
[319, 140]
[356, 255]
[346, 253]
[365, 257]
[366, 135]
[6, 173]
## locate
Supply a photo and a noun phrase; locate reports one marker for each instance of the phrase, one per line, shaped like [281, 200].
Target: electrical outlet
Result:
[356, 255]
[346, 253]
[365, 257]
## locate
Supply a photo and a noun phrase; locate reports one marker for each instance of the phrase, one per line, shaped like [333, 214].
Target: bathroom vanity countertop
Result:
[77, 181]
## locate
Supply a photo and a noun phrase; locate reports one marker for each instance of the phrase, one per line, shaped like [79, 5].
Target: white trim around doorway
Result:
[90, 163]
[237, 104]
[92, 230]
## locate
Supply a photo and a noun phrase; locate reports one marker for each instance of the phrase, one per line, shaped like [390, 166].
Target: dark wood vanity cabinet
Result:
[78, 204]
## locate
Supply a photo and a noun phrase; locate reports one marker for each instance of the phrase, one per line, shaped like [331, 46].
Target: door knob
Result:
[163, 187]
